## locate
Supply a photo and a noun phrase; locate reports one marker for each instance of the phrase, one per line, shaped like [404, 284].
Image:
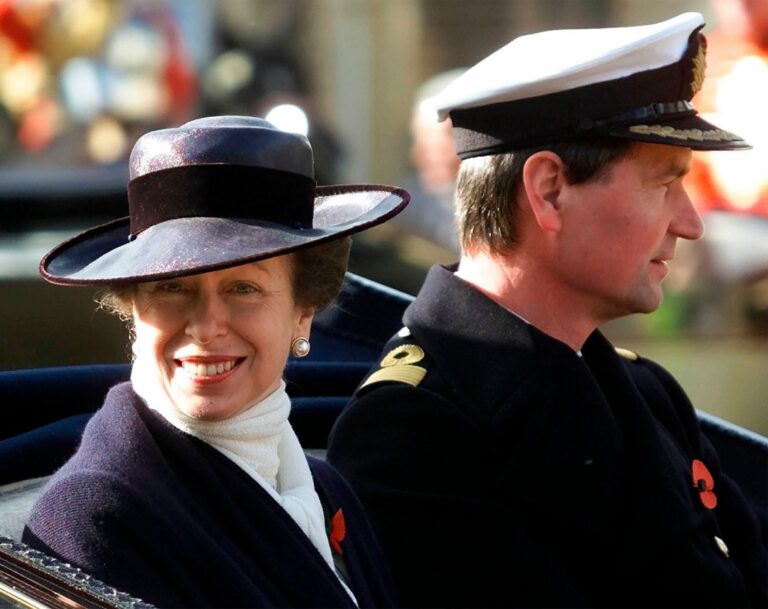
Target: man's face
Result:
[619, 232]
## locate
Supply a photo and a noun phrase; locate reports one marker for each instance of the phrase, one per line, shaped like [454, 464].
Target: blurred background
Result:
[80, 80]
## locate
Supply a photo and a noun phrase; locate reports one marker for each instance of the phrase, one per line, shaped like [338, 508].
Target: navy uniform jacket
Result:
[167, 518]
[499, 468]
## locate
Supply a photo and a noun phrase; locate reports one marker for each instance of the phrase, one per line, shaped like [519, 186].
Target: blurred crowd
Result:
[731, 270]
[90, 73]
[80, 80]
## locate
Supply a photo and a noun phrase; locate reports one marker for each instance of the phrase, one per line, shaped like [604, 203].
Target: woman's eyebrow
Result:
[257, 265]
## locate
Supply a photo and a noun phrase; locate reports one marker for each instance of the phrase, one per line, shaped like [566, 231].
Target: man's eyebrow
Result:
[668, 170]
[675, 169]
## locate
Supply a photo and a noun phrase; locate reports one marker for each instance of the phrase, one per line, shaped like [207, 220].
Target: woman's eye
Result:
[170, 287]
[244, 288]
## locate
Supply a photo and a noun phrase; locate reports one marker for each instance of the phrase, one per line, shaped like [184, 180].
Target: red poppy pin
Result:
[338, 531]
[704, 483]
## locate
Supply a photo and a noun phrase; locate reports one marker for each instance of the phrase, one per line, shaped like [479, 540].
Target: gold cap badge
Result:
[699, 66]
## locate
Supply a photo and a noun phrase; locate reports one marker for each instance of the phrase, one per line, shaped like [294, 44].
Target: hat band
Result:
[643, 113]
[224, 191]
[478, 141]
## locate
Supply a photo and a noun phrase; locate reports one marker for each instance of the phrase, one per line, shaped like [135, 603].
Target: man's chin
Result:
[648, 306]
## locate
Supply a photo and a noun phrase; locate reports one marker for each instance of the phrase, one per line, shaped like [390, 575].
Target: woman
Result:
[190, 488]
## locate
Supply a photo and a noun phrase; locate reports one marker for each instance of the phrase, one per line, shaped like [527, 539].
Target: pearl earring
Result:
[300, 347]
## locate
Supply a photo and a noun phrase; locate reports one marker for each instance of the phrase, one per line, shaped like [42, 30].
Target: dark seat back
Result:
[744, 457]
[46, 409]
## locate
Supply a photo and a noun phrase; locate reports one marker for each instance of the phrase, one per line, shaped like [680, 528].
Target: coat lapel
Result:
[216, 501]
[659, 496]
[558, 447]
[575, 436]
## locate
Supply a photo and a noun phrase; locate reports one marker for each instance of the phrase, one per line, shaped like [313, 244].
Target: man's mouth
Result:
[664, 259]
[662, 264]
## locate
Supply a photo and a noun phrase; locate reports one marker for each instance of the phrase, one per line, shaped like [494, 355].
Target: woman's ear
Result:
[304, 321]
[543, 180]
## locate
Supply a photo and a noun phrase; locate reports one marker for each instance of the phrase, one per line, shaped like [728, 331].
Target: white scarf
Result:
[260, 440]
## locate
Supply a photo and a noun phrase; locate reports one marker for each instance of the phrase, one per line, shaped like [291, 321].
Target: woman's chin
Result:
[206, 409]
[202, 402]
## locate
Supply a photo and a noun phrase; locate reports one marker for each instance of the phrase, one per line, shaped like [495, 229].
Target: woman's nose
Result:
[208, 319]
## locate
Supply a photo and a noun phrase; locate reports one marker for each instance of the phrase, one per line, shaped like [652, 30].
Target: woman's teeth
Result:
[196, 369]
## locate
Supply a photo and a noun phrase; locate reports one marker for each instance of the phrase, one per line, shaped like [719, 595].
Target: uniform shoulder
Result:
[659, 385]
[403, 361]
[627, 354]
[642, 367]
[639, 362]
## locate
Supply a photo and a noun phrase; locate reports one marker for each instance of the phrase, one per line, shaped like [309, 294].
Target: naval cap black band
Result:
[582, 112]
[233, 191]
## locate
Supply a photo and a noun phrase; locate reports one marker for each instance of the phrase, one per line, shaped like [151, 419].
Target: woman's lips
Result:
[204, 370]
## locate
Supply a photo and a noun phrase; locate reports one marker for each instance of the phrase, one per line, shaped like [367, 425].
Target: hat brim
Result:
[105, 254]
[688, 131]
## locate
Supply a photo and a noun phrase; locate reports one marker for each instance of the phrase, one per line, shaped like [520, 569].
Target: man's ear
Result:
[543, 180]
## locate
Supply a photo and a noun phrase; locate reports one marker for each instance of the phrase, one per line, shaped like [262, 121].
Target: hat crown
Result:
[564, 85]
[222, 140]
[556, 60]
[214, 193]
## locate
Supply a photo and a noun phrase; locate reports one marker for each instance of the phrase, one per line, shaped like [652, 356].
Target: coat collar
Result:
[595, 443]
[450, 315]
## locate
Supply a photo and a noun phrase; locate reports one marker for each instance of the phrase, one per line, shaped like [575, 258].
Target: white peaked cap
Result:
[609, 76]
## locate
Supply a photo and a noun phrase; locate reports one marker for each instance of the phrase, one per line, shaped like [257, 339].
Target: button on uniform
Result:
[722, 546]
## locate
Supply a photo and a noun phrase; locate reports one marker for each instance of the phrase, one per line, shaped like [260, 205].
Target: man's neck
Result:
[514, 282]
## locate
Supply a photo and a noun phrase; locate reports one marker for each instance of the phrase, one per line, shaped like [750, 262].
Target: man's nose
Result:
[687, 222]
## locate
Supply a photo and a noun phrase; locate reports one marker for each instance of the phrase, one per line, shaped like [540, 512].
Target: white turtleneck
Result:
[260, 440]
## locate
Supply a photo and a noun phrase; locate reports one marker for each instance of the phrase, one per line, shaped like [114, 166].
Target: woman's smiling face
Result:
[220, 340]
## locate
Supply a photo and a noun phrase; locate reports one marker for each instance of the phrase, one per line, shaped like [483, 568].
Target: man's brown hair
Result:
[487, 187]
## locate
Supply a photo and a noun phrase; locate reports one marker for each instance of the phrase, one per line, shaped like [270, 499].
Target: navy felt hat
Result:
[214, 193]
[562, 85]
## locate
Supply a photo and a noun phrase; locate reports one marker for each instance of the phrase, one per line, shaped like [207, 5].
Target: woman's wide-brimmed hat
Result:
[214, 193]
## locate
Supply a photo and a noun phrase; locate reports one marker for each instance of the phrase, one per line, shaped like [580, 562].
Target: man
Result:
[507, 454]
[432, 181]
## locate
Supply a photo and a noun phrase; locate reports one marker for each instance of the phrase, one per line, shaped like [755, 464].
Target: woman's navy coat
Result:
[167, 518]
